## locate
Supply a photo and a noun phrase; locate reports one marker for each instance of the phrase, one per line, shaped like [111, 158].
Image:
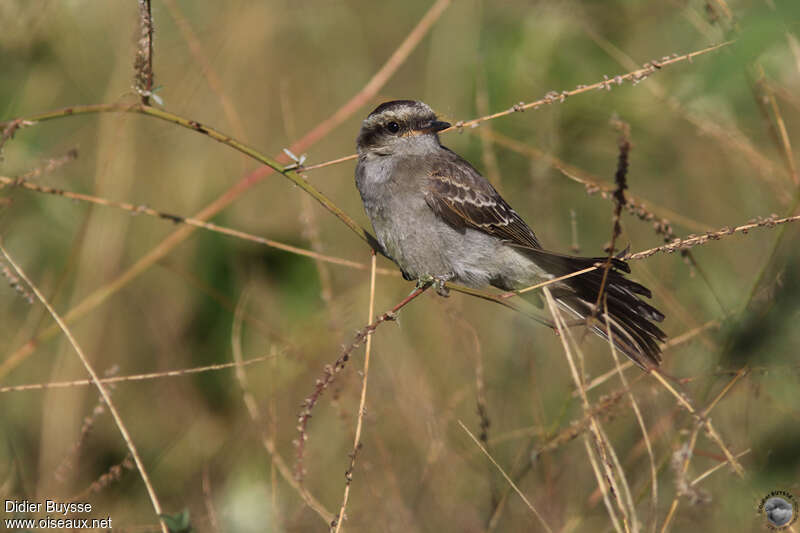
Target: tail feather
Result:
[630, 318]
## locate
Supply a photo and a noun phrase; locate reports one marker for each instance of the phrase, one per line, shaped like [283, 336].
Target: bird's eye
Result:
[393, 127]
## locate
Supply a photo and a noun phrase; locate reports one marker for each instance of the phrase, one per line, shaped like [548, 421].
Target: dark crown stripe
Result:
[392, 105]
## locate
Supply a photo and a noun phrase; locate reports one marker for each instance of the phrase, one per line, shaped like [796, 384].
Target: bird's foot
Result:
[425, 281]
[439, 284]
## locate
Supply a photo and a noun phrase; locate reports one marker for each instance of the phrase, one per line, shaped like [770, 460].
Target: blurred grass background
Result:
[706, 148]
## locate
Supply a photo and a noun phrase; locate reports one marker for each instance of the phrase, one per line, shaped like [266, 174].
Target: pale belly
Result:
[423, 245]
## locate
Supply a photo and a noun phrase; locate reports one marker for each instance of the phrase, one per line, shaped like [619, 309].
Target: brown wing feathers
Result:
[476, 204]
[464, 199]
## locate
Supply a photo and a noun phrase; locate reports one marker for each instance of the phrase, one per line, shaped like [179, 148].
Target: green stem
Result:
[214, 134]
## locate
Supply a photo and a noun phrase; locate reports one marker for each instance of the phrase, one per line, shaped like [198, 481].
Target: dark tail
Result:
[631, 318]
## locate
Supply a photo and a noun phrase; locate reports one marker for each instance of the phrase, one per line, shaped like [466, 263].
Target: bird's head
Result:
[400, 127]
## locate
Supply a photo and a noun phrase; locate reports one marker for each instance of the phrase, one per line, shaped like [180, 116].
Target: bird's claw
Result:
[439, 284]
[425, 281]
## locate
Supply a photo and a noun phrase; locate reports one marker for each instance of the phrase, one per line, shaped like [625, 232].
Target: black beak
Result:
[434, 126]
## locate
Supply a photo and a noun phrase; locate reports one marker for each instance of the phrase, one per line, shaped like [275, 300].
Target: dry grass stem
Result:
[636, 76]
[642, 426]
[330, 372]
[100, 386]
[112, 475]
[134, 377]
[722, 131]
[783, 141]
[702, 419]
[177, 219]
[676, 245]
[520, 305]
[607, 481]
[67, 464]
[673, 342]
[644, 209]
[742, 372]
[635, 206]
[697, 240]
[683, 457]
[621, 181]
[549, 282]
[784, 94]
[15, 283]
[508, 479]
[255, 414]
[481, 402]
[275, 164]
[351, 157]
[361, 406]
[47, 167]
[602, 483]
[143, 63]
[716, 467]
[604, 407]
[632, 521]
[677, 340]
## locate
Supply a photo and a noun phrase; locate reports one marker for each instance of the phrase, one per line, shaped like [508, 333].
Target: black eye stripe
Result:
[376, 130]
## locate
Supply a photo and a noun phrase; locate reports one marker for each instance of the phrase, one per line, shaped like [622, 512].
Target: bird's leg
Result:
[438, 283]
[423, 282]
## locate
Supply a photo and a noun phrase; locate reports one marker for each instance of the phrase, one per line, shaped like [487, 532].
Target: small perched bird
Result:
[440, 220]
